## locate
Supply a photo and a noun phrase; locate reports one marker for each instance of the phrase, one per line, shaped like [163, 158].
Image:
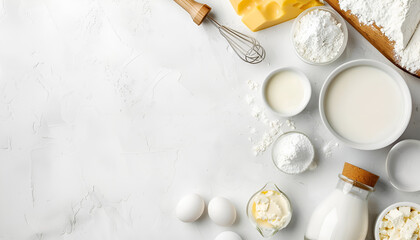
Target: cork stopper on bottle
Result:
[360, 175]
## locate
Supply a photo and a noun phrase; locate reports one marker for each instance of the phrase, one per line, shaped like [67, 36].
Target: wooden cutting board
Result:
[372, 34]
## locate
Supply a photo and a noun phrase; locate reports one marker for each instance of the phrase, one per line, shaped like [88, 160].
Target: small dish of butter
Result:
[269, 210]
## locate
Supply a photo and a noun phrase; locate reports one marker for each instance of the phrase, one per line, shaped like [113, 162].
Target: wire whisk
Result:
[247, 48]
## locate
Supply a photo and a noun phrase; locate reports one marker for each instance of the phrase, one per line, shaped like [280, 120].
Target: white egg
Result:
[222, 211]
[190, 208]
[228, 235]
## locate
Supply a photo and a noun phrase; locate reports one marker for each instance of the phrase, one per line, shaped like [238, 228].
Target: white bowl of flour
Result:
[319, 35]
[293, 153]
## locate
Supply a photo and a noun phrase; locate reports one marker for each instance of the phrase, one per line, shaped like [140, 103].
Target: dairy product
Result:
[286, 92]
[363, 104]
[260, 14]
[339, 217]
[343, 215]
[396, 218]
[401, 223]
[271, 209]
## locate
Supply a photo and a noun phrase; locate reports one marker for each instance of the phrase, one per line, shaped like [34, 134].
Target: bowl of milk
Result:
[286, 91]
[365, 104]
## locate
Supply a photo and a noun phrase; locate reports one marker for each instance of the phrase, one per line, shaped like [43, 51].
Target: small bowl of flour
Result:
[319, 35]
[293, 153]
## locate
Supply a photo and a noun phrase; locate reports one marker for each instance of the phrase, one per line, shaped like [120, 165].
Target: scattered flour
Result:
[274, 127]
[410, 56]
[397, 19]
[253, 85]
[329, 148]
[318, 36]
[293, 153]
[268, 137]
[250, 99]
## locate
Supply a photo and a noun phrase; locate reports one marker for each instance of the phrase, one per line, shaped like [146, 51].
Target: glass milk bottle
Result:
[343, 215]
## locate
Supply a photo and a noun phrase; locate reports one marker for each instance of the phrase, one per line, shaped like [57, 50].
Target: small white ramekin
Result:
[306, 96]
[405, 153]
[384, 212]
[407, 105]
[336, 17]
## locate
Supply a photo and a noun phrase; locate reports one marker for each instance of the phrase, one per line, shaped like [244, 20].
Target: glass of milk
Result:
[343, 215]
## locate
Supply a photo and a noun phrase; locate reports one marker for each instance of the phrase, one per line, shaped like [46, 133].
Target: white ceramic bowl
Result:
[339, 20]
[384, 212]
[405, 94]
[402, 165]
[306, 97]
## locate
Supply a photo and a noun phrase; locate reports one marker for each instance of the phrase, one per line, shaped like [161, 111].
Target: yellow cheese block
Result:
[260, 14]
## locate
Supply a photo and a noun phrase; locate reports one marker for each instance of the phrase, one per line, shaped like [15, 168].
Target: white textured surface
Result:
[112, 110]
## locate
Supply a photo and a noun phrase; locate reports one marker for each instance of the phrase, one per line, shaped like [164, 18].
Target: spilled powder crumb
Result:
[328, 148]
[272, 127]
[253, 85]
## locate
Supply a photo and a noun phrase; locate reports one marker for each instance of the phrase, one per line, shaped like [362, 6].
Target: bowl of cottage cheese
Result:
[399, 221]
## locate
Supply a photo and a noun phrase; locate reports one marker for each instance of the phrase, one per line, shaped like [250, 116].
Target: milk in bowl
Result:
[365, 105]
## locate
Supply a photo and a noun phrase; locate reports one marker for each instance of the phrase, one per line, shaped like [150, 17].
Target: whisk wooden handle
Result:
[198, 11]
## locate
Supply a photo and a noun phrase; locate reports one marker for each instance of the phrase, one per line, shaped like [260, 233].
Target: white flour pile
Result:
[397, 19]
[293, 153]
[318, 36]
[274, 127]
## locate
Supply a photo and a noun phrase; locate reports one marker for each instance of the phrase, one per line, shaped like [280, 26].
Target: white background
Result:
[112, 110]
